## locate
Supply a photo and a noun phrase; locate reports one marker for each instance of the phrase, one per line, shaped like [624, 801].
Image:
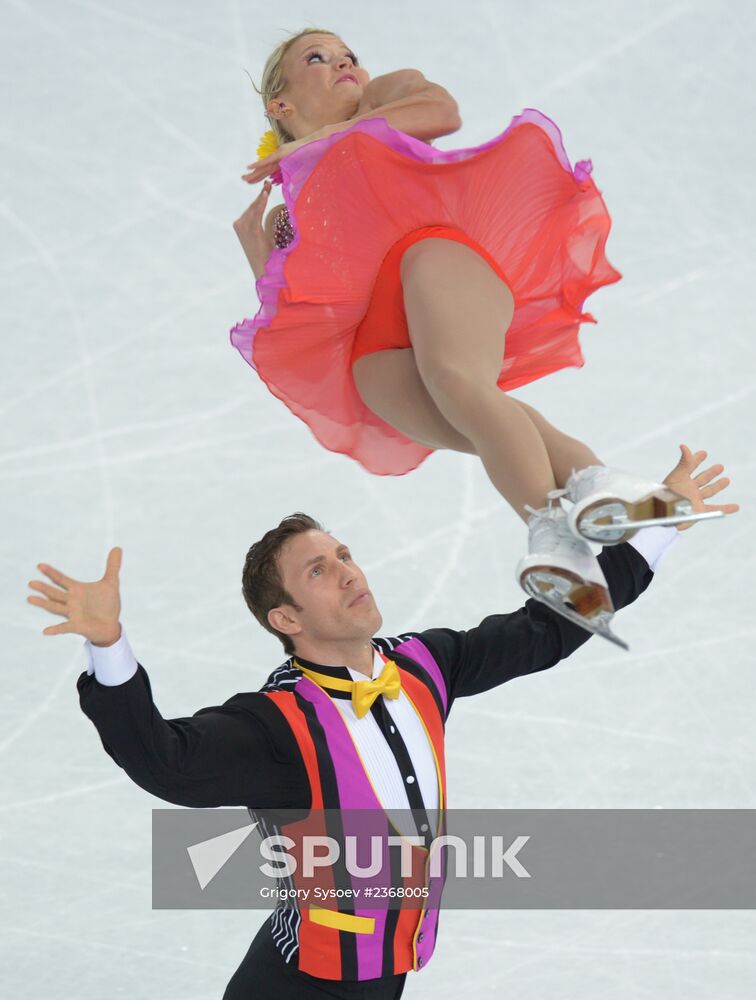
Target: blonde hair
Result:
[273, 80]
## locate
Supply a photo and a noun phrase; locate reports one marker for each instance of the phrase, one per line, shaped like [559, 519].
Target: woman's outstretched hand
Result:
[700, 487]
[269, 164]
[90, 609]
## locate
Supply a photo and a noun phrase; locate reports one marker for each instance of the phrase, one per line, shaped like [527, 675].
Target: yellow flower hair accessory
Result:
[268, 144]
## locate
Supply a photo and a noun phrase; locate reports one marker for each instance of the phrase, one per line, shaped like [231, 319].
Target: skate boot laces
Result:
[581, 482]
[549, 531]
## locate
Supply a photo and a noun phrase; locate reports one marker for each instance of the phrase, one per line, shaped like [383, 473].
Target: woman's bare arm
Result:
[409, 103]
[402, 83]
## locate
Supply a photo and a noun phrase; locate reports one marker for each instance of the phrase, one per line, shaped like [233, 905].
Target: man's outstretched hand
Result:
[700, 487]
[90, 609]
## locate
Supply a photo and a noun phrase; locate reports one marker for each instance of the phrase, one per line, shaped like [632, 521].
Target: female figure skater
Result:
[403, 288]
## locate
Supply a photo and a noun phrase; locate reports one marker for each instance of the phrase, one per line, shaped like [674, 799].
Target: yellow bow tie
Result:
[387, 683]
[364, 693]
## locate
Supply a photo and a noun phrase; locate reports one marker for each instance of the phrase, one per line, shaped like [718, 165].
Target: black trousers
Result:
[265, 975]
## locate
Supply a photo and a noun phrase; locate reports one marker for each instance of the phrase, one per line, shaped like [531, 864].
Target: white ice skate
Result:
[610, 505]
[561, 572]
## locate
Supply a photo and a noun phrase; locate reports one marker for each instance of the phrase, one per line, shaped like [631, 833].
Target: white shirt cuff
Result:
[111, 665]
[654, 543]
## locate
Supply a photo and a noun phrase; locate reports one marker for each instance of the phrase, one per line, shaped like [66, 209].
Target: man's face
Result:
[330, 588]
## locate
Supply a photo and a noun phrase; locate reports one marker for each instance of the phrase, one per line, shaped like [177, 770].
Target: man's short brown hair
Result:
[262, 585]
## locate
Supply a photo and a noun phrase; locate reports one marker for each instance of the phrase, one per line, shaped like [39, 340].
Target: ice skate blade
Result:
[600, 531]
[611, 520]
[589, 605]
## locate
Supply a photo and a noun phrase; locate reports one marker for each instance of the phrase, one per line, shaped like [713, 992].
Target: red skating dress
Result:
[356, 200]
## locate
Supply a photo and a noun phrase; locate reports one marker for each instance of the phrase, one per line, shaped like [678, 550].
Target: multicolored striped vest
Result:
[357, 941]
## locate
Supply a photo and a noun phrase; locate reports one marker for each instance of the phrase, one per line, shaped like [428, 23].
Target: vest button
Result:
[419, 937]
[420, 962]
[423, 828]
[410, 779]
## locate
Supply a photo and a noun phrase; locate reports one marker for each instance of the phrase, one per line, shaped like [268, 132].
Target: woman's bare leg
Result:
[565, 453]
[458, 311]
[390, 385]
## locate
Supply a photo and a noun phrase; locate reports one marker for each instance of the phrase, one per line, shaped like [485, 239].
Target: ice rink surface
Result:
[128, 419]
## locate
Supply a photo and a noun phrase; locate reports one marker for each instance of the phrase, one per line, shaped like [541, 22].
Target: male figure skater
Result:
[350, 720]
